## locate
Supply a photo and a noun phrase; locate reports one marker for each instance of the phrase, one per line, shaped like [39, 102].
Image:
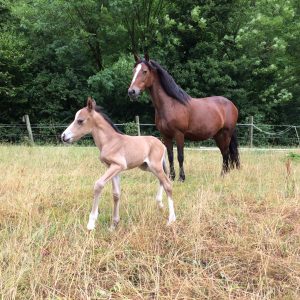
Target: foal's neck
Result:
[103, 132]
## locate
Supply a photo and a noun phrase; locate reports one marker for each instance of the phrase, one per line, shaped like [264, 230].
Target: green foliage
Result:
[294, 156]
[109, 87]
[53, 54]
[130, 128]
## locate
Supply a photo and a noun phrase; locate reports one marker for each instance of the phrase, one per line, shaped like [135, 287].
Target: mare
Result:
[119, 152]
[179, 116]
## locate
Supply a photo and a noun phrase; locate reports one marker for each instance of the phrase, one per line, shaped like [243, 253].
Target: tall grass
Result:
[236, 237]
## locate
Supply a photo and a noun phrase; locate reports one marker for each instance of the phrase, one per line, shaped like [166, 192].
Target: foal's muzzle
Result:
[66, 139]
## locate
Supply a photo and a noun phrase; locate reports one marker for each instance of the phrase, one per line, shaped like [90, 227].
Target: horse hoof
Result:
[172, 175]
[181, 179]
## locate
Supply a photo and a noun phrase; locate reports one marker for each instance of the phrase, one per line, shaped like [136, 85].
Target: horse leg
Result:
[116, 197]
[112, 171]
[222, 139]
[180, 155]
[169, 144]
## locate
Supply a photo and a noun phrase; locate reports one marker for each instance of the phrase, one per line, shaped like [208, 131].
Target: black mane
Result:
[98, 109]
[168, 83]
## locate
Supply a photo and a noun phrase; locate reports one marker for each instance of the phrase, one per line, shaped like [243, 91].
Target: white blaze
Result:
[68, 134]
[137, 70]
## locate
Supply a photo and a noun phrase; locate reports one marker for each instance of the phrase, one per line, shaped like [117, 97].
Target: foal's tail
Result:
[234, 157]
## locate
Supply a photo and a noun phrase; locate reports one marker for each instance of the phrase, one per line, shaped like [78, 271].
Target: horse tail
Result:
[234, 157]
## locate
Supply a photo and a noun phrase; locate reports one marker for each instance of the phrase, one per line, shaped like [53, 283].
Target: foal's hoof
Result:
[90, 226]
[160, 206]
[113, 226]
[171, 220]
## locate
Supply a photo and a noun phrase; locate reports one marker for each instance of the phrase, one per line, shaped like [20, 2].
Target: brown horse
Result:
[179, 116]
[119, 152]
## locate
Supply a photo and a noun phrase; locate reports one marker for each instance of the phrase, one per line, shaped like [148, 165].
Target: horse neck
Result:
[160, 99]
[102, 132]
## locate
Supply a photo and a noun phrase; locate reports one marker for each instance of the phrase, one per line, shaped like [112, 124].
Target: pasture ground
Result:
[236, 237]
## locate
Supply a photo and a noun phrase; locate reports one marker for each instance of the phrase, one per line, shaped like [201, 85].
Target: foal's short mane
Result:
[167, 81]
[98, 109]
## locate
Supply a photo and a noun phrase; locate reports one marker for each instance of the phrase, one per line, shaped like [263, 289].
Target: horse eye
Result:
[79, 122]
[145, 71]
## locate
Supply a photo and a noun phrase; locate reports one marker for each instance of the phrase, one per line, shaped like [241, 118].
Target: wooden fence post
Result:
[27, 121]
[251, 131]
[297, 135]
[137, 121]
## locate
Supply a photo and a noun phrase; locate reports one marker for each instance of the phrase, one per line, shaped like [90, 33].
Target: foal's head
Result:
[142, 77]
[82, 124]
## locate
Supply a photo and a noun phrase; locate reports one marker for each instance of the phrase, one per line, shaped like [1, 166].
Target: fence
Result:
[249, 134]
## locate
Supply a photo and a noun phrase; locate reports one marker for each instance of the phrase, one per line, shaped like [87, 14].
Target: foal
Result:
[119, 152]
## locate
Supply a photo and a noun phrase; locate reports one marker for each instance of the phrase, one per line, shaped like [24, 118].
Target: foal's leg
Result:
[164, 181]
[169, 144]
[112, 171]
[116, 197]
[180, 155]
[159, 196]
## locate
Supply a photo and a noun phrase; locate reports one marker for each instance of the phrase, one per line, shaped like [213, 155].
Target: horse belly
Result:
[197, 137]
[206, 120]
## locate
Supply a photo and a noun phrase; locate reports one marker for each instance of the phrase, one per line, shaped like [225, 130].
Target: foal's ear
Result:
[136, 57]
[147, 56]
[91, 103]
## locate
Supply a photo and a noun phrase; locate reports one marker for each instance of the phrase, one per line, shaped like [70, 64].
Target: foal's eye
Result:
[145, 71]
[79, 122]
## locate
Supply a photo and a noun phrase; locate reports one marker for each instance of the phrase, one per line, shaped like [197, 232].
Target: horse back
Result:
[209, 115]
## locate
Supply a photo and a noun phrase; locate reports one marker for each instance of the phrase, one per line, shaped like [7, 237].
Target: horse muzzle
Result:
[133, 94]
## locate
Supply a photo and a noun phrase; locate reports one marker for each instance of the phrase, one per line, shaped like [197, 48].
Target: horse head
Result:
[142, 76]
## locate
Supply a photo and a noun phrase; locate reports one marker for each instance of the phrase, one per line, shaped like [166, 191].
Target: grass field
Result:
[236, 237]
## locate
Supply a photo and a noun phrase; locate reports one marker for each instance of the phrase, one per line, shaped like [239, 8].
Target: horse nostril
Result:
[131, 92]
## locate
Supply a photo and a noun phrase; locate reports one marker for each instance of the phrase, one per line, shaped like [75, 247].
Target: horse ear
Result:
[136, 57]
[91, 103]
[147, 56]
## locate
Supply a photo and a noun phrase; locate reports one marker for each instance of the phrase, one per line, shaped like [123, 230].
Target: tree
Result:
[13, 67]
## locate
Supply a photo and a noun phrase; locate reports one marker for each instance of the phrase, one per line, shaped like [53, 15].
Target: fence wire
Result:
[265, 135]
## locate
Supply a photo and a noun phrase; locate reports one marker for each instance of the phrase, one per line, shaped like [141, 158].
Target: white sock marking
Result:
[172, 216]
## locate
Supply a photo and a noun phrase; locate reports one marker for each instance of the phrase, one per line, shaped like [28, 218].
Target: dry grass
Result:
[235, 238]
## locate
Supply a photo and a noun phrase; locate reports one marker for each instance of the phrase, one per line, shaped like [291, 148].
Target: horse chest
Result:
[163, 126]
